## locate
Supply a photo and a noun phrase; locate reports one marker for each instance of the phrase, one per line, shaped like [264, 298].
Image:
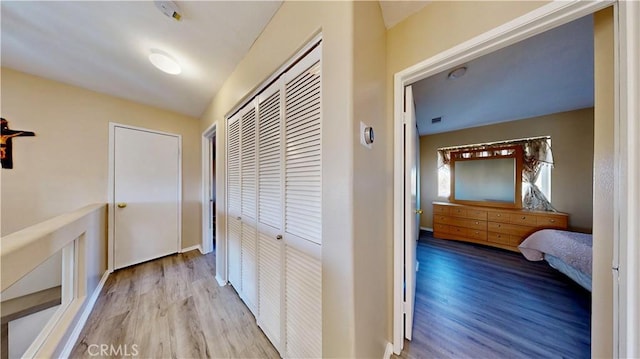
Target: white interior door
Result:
[411, 197]
[146, 195]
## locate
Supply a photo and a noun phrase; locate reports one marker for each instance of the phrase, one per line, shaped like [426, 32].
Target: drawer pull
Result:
[552, 220]
[499, 225]
[499, 236]
[523, 217]
[477, 222]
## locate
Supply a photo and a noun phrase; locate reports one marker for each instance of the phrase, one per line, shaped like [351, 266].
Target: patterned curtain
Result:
[537, 153]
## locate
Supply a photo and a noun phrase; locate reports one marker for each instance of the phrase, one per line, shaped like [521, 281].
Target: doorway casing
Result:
[209, 135]
[626, 235]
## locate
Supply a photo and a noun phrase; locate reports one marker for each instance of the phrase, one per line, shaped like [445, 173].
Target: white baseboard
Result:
[192, 248]
[426, 229]
[73, 337]
[221, 282]
[388, 351]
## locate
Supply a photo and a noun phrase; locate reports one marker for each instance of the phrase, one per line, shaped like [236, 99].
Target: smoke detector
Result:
[170, 9]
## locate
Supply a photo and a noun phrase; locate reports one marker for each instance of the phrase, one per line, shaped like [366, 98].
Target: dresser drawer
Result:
[438, 218]
[498, 216]
[523, 218]
[468, 223]
[509, 229]
[551, 221]
[459, 231]
[477, 234]
[458, 212]
[476, 214]
[516, 240]
[444, 210]
[500, 238]
[440, 228]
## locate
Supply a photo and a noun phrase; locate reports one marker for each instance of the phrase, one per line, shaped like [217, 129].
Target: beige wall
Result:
[65, 166]
[604, 149]
[293, 26]
[571, 178]
[372, 179]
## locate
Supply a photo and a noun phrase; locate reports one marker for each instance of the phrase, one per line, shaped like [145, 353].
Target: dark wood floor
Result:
[172, 307]
[474, 301]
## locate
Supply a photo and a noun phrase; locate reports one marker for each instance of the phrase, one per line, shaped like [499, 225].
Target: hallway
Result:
[171, 307]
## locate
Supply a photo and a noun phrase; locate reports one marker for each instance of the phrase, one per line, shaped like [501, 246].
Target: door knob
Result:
[279, 237]
[419, 211]
[122, 205]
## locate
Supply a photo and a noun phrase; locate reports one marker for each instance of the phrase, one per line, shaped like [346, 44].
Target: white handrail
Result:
[24, 250]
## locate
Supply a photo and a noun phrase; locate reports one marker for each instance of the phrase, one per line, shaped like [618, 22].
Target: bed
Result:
[568, 252]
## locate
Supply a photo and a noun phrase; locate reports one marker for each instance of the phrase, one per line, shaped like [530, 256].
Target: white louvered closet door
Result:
[234, 203]
[248, 180]
[303, 209]
[270, 249]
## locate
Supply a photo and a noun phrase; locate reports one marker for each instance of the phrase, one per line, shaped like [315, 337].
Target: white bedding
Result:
[572, 248]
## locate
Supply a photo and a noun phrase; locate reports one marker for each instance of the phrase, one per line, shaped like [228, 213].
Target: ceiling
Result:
[549, 73]
[394, 11]
[104, 46]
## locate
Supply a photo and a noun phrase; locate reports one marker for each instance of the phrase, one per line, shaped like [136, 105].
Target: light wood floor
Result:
[172, 307]
[474, 301]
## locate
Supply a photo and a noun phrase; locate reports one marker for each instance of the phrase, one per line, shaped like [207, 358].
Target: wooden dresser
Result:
[497, 227]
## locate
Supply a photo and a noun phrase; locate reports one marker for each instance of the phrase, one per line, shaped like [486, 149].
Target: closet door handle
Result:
[279, 237]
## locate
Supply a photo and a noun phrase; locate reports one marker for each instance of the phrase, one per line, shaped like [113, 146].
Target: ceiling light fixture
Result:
[456, 73]
[164, 62]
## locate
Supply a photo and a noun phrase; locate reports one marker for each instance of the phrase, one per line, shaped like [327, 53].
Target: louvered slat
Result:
[249, 266]
[248, 164]
[303, 296]
[269, 163]
[270, 259]
[233, 168]
[302, 150]
[235, 253]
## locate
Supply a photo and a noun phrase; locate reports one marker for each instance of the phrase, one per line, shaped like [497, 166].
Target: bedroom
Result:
[539, 87]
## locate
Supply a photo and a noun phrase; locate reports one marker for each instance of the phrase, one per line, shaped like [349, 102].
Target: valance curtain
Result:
[536, 153]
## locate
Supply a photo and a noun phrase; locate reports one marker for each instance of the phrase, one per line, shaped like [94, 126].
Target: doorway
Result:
[209, 191]
[547, 17]
[145, 195]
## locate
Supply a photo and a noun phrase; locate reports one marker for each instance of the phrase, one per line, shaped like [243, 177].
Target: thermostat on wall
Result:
[366, 135]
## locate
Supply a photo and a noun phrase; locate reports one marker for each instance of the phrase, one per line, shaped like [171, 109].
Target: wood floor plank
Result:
[173, 307]
[480, 302]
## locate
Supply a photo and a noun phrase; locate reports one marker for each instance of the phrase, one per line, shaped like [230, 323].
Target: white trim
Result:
[192, 248]
[388, 351]
[542, 19]
[89, 304]
[627, 321]
[111, 184]
[221, 282]
[207, 238]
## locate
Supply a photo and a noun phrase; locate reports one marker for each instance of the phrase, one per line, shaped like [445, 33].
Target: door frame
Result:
[207, 153]
[627, 153]
[111, 189]
[207, 239]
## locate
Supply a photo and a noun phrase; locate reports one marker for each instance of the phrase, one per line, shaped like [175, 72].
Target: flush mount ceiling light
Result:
[164, 62]
[456, 73]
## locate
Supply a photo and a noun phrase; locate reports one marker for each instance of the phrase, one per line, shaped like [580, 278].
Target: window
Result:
[444, 179]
